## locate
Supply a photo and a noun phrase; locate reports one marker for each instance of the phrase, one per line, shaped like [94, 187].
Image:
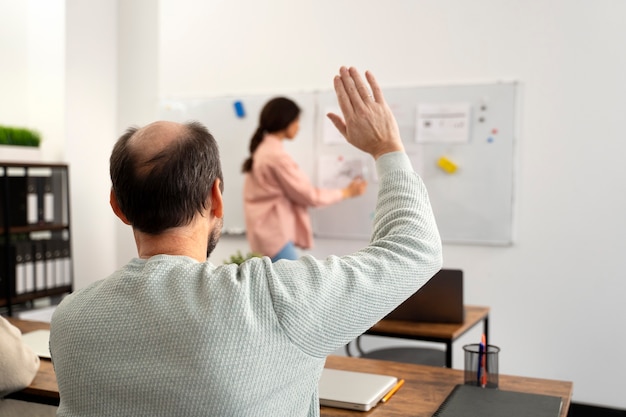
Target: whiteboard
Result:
[233, 134]
[473, 204]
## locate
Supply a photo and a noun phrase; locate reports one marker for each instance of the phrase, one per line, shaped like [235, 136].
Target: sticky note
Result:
[447, 165]
[239, 110]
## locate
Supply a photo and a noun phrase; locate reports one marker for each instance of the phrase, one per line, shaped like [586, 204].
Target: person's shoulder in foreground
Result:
[171, 334]
[18, 367]
[18, 363]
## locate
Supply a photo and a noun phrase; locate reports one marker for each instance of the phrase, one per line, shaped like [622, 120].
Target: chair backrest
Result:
[440, 300]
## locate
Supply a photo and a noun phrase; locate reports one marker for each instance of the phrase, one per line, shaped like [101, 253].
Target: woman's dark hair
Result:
[168, 189]
[277, 114]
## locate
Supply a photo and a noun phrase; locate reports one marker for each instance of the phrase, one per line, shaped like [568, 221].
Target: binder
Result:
[49, 262]
[21, 269]
[59, 196]
[18, 208]
[40, 266]
[26, 249]
[5, 276]
[67, 263]
[3, 284]
[32, 200]
[46, 206]
[58, 263]
[473, 401]
[19, 277]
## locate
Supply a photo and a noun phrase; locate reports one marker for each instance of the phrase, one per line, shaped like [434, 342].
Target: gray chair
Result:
[417, 355]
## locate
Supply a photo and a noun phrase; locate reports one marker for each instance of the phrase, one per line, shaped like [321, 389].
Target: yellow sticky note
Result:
[447, 165]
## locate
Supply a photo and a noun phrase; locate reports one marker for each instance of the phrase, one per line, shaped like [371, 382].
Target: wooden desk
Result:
[445, 333]
[427, 386]
[424, 390]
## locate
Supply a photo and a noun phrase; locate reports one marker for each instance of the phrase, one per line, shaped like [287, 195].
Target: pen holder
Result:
[481, 365]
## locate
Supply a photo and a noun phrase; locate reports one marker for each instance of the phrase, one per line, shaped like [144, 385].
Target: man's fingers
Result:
[342, 95]
[361, 86]
[376, 90]
[350, 87]
[338, 122]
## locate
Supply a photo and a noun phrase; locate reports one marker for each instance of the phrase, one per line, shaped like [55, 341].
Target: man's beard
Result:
[214, 237]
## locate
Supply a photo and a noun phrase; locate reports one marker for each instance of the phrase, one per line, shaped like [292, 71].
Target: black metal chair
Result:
[440, 300]
[409, 354]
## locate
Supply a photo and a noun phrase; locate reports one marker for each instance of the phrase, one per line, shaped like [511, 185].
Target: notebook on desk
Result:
[440, 300]
[353, 390]
[473, 401]
[39, 342]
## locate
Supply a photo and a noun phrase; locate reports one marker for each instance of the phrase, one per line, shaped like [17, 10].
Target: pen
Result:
[393, 391]
[479, 363]
[483, 360]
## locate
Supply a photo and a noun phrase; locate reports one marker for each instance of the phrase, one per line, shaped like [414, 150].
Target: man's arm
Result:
[322, 305]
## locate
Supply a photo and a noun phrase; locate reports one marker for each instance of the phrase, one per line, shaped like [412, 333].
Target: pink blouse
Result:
[277, 195]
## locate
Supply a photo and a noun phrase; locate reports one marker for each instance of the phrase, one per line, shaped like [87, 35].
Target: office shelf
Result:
[35, 239]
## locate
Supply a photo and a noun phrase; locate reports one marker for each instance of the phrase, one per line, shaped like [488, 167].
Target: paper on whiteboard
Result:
[443, 123]
[337, 171]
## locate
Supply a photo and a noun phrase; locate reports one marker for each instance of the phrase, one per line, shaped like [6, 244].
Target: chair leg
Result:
[347, 347]
[358, 346]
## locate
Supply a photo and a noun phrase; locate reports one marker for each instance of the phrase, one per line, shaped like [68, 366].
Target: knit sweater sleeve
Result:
[323, 304]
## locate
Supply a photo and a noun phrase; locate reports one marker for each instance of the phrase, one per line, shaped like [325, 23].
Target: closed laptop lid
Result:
[440, 300]
[353, 390]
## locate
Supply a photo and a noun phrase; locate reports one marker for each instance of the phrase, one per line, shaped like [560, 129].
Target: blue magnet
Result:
[239, 111]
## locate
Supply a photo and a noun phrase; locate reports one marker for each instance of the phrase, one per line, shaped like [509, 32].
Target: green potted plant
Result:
[238, 258]
[19, 136]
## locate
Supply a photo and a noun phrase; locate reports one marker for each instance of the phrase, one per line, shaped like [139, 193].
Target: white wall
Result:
[137, 88]
[90, 112]
[555, 295]
[32, 71]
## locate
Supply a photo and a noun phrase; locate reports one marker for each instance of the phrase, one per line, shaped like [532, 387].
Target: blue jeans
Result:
[287, 252]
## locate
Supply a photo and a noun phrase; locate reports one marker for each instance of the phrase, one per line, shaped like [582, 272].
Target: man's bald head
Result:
[162, 173]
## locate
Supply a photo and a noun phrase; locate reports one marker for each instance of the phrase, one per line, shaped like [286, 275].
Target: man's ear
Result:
[116, 208]
[217, 203]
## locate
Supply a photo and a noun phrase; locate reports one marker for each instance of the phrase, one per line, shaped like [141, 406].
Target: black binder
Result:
[473, 401]
[18, 207]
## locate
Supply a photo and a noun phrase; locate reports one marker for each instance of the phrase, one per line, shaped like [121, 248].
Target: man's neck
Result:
[181, 241]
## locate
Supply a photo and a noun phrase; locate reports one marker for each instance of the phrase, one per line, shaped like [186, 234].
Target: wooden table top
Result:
[424, 390]
[433, 331]
[426, 387]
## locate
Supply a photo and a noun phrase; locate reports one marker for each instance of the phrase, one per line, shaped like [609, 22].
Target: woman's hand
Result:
[355, 188]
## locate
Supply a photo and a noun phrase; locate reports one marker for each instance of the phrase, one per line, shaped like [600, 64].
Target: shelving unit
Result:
[35, 239]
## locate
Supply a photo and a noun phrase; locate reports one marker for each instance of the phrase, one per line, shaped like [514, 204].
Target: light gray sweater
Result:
[170, 336]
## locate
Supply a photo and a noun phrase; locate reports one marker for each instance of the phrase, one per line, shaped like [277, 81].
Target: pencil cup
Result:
[481, 365]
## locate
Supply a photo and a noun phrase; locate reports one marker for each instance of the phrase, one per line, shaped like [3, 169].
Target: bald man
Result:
[170, 334]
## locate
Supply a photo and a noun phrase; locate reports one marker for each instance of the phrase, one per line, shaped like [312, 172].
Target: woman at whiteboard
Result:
[276, 192]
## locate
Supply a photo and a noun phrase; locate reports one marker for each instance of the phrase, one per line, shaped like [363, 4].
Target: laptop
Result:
[353, 390]
[39, 342]
[440, 300]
